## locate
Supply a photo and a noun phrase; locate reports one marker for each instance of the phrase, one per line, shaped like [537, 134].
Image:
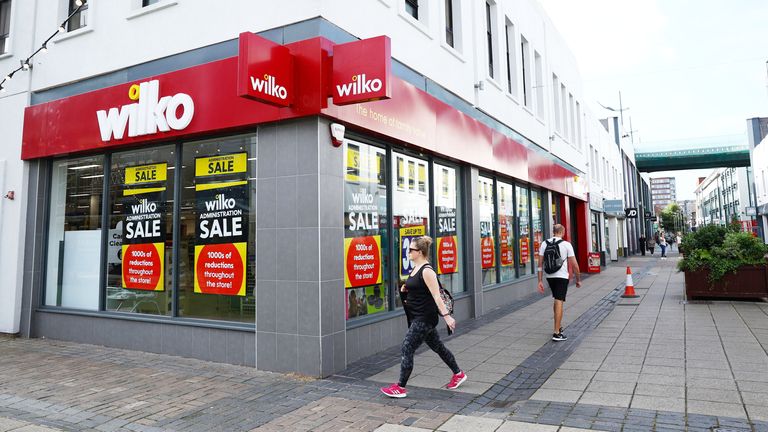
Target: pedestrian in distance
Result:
[642, 242]
[555, 256]
[663, 246]
[424, 306]
[651, 245]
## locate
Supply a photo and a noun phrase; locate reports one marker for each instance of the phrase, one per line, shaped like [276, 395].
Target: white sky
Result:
[685, 68]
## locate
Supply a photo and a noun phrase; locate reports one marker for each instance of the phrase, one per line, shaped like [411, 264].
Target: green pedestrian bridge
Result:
[710, 152]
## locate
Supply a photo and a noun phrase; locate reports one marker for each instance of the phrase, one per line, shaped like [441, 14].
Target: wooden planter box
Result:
[747, 282]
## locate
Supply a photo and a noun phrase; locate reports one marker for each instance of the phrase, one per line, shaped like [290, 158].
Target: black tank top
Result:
[421, 305]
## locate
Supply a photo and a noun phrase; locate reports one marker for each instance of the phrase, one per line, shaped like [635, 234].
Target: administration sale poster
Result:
[362, 201]
[143, 245]
[221, 235]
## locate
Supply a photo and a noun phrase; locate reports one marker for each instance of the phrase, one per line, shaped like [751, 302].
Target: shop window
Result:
[487, 223]
[74, 233]
[80, 18]
[448, 228]
[595, 233]
[537, 223]
[5, 24]
[410, 213]
[366, 263]
[140, 237]
[506, 230]
[524, 232]
[217, 229]
[555, 210]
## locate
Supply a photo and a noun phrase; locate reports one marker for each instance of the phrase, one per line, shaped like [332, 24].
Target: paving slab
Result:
[460, 423]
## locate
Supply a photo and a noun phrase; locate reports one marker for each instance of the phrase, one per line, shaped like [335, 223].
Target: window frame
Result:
[525, 65]
[82, 15]
[5, 38]
[490, 31]
[450, 31]
[511, 53]
[414, 6]
[174, 317]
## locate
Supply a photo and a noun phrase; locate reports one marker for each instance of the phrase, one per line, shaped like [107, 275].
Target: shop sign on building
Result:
[596, 201]
[148, 115]
[264, 70]
[614, 207]
[361, 71]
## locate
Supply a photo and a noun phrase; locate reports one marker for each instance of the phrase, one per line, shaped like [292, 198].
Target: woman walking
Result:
[423, 304]
[663, 245]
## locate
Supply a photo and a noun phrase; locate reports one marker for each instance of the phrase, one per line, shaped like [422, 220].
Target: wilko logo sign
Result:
[268, 87]
[148, 115]
[361, 71]
[265, 71]
[359, 86]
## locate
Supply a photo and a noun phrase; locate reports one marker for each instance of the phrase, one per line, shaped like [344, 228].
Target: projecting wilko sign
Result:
[361, 71]
[148, 115]
[264, 71]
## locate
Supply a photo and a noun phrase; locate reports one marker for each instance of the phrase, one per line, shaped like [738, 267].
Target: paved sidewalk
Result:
[652, 363]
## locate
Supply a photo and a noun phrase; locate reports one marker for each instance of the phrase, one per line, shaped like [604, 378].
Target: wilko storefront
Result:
[209, 211]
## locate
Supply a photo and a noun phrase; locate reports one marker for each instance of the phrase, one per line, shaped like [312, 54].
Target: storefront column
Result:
[612, 244]
[581, 211]
[474, 271]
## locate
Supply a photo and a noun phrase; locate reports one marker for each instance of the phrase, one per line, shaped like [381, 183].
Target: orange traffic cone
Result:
[629, 290]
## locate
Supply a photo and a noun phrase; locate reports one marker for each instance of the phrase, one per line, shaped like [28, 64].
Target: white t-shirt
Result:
[566, 250]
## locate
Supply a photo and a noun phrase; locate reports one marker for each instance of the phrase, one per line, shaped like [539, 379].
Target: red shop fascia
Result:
[350, 83]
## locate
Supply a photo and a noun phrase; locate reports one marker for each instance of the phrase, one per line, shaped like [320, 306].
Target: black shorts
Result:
[559, 287]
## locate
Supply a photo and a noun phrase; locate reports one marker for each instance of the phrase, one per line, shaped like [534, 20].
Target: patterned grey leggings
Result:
[422, 332]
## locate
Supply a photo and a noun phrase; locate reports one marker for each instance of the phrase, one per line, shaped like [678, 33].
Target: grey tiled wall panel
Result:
[218, 345]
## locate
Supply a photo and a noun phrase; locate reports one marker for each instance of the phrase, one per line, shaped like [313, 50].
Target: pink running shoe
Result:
[456, 380]
[395, 391]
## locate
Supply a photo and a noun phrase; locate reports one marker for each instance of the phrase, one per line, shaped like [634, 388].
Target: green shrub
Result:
[721, 250]
[706, 237]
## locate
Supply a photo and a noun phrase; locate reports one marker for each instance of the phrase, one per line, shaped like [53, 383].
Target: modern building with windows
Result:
[663, 192]
[247, 193]
[723, 196]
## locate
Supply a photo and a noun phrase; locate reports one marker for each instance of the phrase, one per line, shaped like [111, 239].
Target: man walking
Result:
[555, 255]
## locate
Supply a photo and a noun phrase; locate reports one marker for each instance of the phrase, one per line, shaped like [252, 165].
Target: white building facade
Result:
[498, 102]
[723, 196]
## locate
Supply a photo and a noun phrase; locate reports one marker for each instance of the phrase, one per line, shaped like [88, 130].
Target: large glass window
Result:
[140, 237]
[217, 229]
[594, 218]
[366, 263]
[537, 221]
[74, 233]
[524, 233]
[410, 209]
[487, 223]
[448, 228]
[506, 230]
